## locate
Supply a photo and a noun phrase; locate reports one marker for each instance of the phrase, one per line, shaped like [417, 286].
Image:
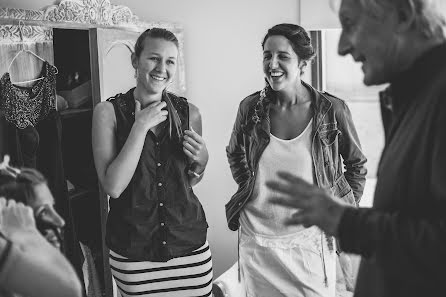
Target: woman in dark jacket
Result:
[289, 126]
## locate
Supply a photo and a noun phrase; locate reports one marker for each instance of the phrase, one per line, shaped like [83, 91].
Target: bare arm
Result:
[115, 169]
[194, 146]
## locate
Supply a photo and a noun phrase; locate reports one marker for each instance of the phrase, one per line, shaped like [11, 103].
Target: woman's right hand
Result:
[151, 115]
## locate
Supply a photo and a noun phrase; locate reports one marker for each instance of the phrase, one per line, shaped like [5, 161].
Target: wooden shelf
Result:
[74, 111]
[79, 192]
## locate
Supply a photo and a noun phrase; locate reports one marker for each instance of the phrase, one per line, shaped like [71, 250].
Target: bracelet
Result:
[191, 172]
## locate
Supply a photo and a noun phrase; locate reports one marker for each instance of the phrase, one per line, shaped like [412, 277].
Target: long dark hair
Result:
[174, 119]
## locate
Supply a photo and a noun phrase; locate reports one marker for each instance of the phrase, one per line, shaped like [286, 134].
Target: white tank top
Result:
[294, 156]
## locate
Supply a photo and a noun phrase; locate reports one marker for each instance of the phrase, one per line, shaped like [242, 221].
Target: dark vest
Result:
[157, 217]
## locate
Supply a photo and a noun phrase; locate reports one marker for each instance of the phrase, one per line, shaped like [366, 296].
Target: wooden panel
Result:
[115, 68]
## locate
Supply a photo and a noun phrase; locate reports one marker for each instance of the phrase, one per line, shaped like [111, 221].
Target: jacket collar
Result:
[404, 89]
[320, 105]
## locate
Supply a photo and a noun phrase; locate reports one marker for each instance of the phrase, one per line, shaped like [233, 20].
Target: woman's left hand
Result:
[195, 149]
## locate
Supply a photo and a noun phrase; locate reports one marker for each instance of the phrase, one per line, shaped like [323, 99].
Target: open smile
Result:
[158, 78]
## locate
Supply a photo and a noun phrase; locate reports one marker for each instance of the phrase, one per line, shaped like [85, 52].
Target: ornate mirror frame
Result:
[80, 14]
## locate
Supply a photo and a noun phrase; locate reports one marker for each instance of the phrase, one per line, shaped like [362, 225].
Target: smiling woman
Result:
[144, 140]
[289, 126]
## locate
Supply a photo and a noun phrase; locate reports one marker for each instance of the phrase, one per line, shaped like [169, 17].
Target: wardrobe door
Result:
[112, 73]
[113, 49]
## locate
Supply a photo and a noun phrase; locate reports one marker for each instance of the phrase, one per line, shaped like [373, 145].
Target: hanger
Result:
[23, 50]
[4, 166]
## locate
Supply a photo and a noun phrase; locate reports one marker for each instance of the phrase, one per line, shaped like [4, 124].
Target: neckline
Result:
[43, 73]
[295, 138]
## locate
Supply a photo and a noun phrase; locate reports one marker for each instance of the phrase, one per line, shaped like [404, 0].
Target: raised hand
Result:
[317, 206]
[16, 219]
[195, 149]
[151, 115]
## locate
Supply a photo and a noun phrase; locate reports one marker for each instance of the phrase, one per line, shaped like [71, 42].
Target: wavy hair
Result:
[430, 15]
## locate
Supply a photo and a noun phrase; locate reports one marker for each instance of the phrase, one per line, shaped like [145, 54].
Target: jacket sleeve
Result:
[351, 152]
[402, 240]
[235, 150]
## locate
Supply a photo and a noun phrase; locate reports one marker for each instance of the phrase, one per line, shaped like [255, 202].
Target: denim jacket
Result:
[334, 135]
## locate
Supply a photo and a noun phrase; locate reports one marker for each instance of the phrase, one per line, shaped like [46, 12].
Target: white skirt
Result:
[298, 265]
[190, 275]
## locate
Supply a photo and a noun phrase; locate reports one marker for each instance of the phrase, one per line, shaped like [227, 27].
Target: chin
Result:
[276, 87]
[154, 89]
[377, 77]
[373, 81]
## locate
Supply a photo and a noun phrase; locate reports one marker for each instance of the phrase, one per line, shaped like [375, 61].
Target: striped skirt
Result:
[187, 276]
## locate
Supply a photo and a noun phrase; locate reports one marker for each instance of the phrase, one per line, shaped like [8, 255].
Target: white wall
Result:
[318, 14]
[223, 65]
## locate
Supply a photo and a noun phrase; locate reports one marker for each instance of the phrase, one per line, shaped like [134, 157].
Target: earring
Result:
[136, 73]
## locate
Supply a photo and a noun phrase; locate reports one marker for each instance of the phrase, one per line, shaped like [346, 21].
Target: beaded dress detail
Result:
[26, 106]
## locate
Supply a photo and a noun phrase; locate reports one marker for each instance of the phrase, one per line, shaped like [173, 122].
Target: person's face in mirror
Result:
[43, 207]
[156, 65]
[370, 39]
[281, 64]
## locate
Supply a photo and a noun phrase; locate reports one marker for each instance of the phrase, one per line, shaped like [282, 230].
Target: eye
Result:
[41, 212]
[266, 57]
[346, 24]
[154, 59]
[283, 57]
[170, 62]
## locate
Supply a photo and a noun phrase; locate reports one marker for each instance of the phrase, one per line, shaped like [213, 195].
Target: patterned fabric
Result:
[190, 275]
[26, 106]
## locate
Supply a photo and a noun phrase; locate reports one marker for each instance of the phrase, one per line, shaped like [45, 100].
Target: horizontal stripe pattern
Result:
[187, 276]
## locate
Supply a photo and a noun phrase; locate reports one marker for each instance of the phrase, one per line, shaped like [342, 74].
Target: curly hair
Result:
[430, 15]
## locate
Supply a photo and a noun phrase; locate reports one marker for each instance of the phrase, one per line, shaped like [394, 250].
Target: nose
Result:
[161, 66]
[344, 45]
[55, 219]
[273, 63]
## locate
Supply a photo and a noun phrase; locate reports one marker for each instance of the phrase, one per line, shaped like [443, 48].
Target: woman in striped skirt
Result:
[148, 153]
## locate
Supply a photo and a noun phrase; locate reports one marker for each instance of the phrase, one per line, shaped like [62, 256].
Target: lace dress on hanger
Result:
[24, 106]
